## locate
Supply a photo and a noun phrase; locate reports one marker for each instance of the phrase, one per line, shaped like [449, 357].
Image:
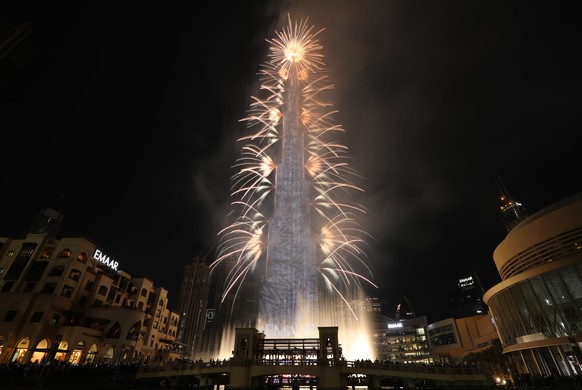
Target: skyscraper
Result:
[466, 297]
[193, 303]
[296, 233]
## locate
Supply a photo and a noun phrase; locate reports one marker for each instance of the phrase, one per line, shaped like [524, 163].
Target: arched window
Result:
[76, 355]
[82, 257]
[67, 291]
[65, 253]
[102, 290]
[91, 354]
[75, 274]
[134, 331]
[21, 349]
[161, 303]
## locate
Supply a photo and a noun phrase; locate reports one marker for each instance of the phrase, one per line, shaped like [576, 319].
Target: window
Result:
[82, 257]
[10, 315]
[56, 271]
[111, 295]
[7, 286]
[35, 270]
[48, 288]
[89, 285]
[55, 319]
[82, 300]
[102, 290]
[74, 274]
[36, 316]
[65, 253]
[28, 287]
[144, 292]
[67, 291]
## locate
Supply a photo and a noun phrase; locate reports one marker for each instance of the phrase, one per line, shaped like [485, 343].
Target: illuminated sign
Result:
[103, 258]
[395, 325]
[466, 282]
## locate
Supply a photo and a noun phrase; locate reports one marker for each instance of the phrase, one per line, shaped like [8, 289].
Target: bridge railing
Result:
[420, 368]
[376, 365]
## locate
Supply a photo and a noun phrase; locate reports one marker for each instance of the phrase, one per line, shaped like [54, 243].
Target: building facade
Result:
[537, 306]
[193, 306]
[403, 341]
[66, 299]
[466, 297]
[453, 339]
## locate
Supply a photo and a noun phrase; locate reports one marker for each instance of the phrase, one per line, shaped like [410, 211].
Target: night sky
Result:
[126, 114]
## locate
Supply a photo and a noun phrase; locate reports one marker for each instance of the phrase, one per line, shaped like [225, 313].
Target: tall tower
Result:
[512, 212]
[466, 296]
[296, 234]
[289, 279]
[193, 303]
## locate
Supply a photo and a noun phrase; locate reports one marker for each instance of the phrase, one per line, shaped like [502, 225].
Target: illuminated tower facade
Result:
[290, 269]
[295, 231]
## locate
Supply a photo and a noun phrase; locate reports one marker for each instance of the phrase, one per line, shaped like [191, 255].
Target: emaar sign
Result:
[103, 258]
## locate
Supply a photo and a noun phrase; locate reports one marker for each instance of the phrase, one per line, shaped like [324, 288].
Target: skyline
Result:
[133, 115]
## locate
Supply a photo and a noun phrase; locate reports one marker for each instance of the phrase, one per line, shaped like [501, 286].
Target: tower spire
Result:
[512, 212]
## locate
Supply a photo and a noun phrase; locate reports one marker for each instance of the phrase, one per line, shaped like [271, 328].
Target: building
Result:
[66, 299]
[466, 297]
[193, 306]
[295, 232]
[452, 339]
[537, 306]
[403, 341]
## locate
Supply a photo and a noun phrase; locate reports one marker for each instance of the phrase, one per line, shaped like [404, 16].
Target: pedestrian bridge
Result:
[260, 363]
[266, 373]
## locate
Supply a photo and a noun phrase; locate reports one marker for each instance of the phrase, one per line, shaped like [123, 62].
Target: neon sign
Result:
[103, 258]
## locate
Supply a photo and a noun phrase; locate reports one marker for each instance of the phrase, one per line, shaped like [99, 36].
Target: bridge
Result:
[260, 363]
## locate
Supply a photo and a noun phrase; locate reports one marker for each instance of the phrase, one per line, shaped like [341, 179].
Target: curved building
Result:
[537, 306]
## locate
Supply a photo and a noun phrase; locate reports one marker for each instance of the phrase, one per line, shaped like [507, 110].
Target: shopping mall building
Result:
[537, 306]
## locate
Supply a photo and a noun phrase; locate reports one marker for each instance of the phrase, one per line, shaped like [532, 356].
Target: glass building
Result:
[537, 306]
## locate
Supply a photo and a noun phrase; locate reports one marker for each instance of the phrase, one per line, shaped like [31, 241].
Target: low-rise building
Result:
[66, 299]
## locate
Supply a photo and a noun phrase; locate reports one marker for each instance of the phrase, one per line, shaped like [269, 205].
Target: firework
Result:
[296, 230]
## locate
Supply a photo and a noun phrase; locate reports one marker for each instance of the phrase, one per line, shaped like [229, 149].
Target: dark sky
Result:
[131, 110]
